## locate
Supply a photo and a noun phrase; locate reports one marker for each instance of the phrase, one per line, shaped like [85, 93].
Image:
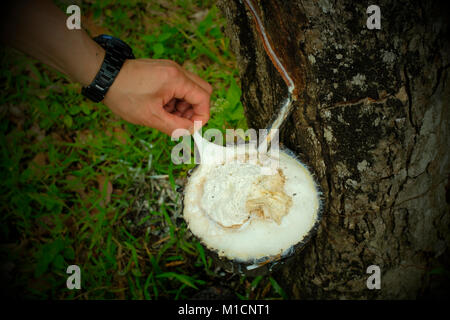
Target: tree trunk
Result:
[372, 123]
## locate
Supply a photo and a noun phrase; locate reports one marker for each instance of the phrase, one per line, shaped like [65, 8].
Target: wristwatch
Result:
[116, 52]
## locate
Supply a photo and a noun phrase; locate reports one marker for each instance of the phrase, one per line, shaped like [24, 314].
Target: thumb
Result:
[170, 122]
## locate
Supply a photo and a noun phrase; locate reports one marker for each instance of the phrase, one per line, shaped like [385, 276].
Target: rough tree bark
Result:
[372, 121]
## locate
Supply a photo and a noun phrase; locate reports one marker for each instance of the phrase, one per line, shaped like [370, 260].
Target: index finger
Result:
[196, 96]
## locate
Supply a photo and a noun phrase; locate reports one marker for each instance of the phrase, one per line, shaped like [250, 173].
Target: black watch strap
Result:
[116, 52]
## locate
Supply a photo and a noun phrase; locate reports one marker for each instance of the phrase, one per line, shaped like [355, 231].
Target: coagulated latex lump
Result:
[268, 199]
[236, 192]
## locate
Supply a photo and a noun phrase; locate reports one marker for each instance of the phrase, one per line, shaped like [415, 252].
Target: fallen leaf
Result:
[37, 164]
[17, 115]
[165, 4]
[199, 15]
[110, 215]
[118, 192]
[44, 224]
[189, 65]
[75, 184]
[16, 111]
[56, 137]
[42, 93]
[33, 74]
[36, 131]
[121, 135]
[70, 223]
[103, 182]
[266, 289]
[94, 212]
[108, 133]
[57, 87]
[174, 263]
[84, 136]
[160, 241]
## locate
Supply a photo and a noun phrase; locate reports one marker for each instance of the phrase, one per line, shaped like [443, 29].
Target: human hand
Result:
[159, 94]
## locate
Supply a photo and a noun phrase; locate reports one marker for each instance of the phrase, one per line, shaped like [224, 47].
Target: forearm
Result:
[155, 93]
[38, 28]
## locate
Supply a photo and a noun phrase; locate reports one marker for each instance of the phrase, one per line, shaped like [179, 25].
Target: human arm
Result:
[155, 93]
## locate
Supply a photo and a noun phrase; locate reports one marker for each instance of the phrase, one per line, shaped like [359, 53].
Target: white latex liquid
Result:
[215, 196]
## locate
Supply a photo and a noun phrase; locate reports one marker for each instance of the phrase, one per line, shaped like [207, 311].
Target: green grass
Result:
[81, 186]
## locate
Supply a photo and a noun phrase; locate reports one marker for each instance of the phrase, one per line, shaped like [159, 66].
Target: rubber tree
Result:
[372, 122]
